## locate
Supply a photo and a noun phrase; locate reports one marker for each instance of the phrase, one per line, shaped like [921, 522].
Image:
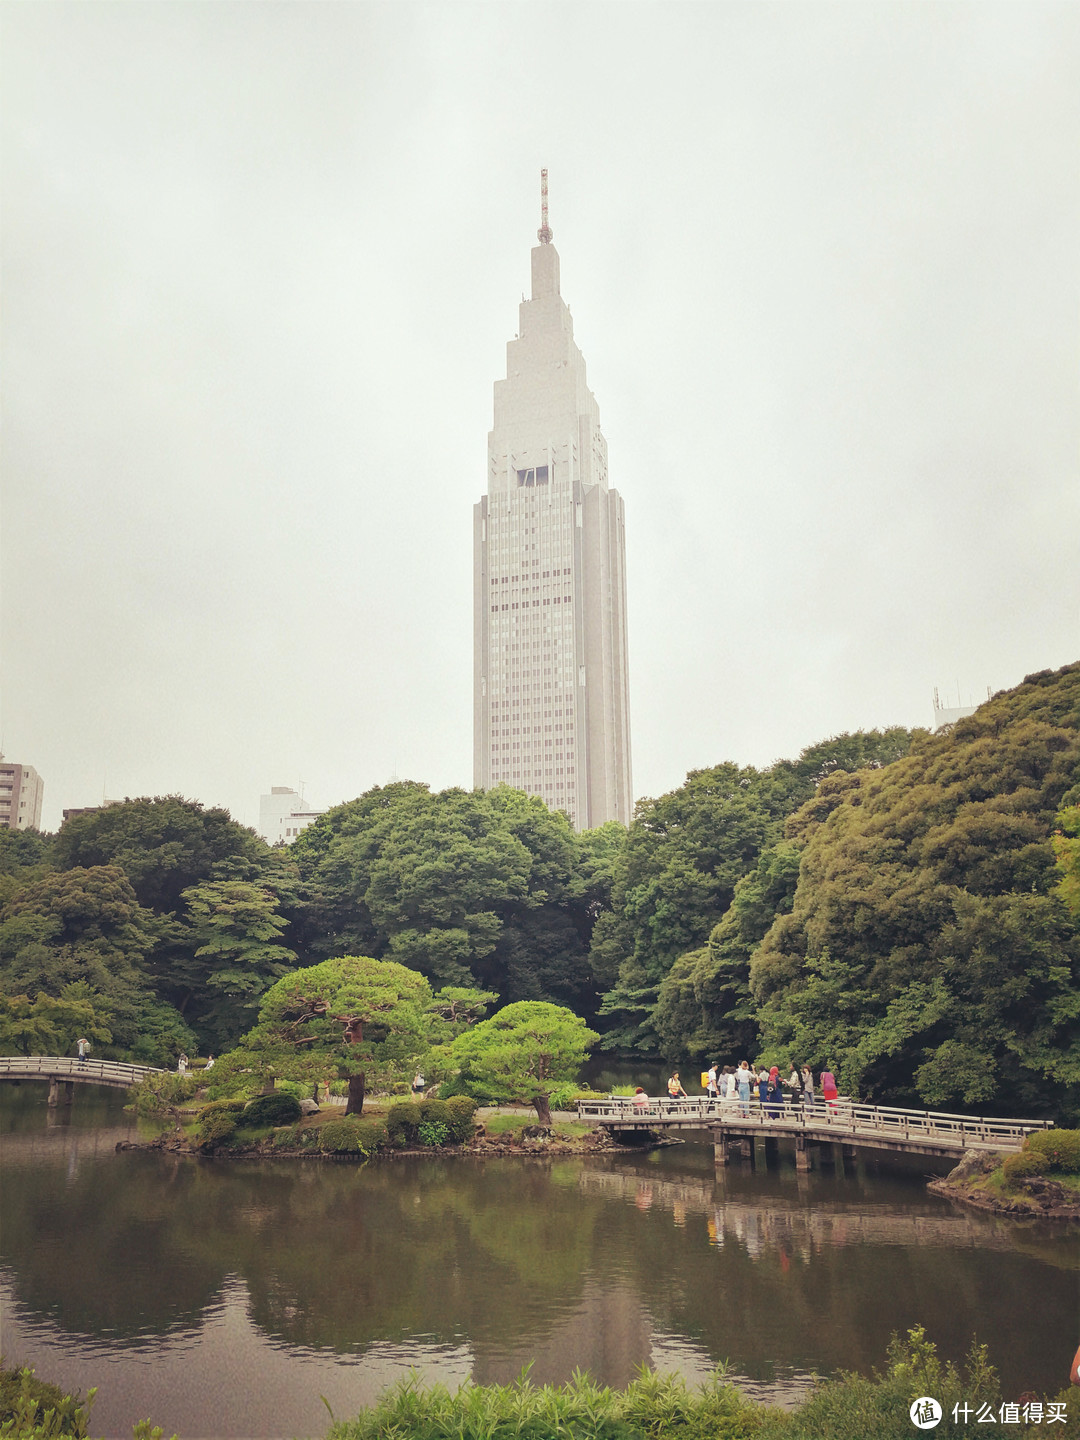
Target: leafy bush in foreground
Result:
[651, 1406]
[663, 1407]
[223, 1107]
[32, 1409]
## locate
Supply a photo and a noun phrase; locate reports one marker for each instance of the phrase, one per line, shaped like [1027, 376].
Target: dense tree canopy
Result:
[162, 845]
[470, 888]
[685, 854]
[905, 905]
[912, 926]
[82, 926]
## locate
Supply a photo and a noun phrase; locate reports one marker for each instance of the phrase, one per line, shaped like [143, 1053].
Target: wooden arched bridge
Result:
[735, 1125]
[67, 1072]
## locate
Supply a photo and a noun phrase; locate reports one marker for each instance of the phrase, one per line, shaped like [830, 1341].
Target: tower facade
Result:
[552, 695]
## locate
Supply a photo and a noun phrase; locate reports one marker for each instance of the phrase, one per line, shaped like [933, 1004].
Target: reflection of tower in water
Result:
[609, 1333]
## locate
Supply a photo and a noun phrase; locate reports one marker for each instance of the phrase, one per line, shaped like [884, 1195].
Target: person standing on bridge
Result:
[776, 1093]
[807, 1087]
[829, 1091]
[675, 1089]
[743, 1078]
[84, 1046]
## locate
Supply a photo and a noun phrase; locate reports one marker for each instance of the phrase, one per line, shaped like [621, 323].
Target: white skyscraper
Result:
[552, 696]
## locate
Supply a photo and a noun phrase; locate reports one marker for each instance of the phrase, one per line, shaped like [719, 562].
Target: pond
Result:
[225, 1298]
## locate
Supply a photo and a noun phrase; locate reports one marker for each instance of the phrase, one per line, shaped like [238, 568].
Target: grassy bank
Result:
[652, 1407]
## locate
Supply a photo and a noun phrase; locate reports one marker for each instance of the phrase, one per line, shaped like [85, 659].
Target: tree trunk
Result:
[543, 1109]
[356, 1095]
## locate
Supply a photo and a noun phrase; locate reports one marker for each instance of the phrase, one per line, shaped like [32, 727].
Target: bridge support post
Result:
[849, 1153]
[58, 1096]
[802, 1153]
[720, 1150]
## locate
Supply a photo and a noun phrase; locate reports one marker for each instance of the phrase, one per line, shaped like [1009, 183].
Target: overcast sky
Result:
[260, 265]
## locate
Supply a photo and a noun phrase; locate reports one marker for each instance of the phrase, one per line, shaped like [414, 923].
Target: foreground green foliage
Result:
[32, 1409]
[653, 1407]
[663, 1407]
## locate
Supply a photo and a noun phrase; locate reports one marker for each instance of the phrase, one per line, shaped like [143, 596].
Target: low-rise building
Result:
[283, 814]
[21, 792]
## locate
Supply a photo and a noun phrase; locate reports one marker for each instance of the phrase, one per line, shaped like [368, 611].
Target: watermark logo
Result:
[925, 1412]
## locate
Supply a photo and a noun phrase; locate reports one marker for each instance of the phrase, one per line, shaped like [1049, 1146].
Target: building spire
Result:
[544, 233]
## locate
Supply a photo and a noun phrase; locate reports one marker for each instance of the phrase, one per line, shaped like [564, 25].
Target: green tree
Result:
[454, 1008]
[367, 1021]
[685, 853]
[479, 888]
[24, 856]
[235, 927]
[704, 1007]
[82, 925]
[1066, 841]
[522, 1052]
[49, 1025]
[928, 948]
[163, 845]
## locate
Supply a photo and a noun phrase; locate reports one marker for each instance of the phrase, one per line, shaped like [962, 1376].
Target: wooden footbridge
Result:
[63, 1073]
[735, 1125]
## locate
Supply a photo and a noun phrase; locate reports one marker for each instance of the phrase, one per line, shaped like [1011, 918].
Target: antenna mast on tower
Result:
[544, 233]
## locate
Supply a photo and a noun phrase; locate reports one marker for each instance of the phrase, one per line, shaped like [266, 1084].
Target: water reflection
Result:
[199, 1285]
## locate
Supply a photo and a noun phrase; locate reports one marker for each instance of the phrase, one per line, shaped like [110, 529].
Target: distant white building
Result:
[945, 715]
[283, 814]
[21, 791]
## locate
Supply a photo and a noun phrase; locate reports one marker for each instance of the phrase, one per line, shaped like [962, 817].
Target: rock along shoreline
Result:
[1038, 1197]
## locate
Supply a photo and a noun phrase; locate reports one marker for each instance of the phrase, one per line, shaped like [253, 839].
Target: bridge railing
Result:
[66, 1067]
[841, 1116]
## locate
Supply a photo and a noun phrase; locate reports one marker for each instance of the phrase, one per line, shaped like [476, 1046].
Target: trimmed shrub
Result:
[403, 1123]
[1057, 1149]
[293, 1088]
[1016, 1167]
[216, 1129]
[460, 1125]
[352, 1134]
[276, 1109]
